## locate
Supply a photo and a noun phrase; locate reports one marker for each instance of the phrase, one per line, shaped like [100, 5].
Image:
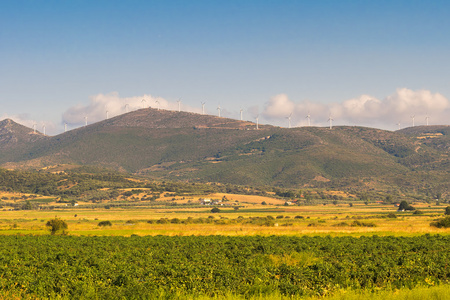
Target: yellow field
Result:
[334, 220]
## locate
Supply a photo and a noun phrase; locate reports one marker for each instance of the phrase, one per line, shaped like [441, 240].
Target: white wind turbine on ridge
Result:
[289, 120]
[179, 104]
[308, 116]
[330, 119]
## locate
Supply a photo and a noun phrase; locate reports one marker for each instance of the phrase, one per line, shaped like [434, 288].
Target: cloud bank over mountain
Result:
[394, 111]
[365, 110]
[103, 105]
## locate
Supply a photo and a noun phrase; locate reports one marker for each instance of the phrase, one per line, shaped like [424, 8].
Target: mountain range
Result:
[170, 145]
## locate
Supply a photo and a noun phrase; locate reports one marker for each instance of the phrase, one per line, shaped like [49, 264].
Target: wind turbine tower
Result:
[126, 108]
[143, 103]
[179, 105]
[426, 119]
[398, 124]
[412, 117]
[289, 120]
[257, 122]
[157, 104]
[241, 113]
[34, 127]
[309, 119]
[65, 127]
[85, 121]
[43, 128]
[107, 115]
[330, 119]
[203, 108]
[218, 109]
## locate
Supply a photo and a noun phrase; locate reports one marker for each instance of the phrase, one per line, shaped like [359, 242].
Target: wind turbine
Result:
[218, 109]
[65, 127]
[157, 104]
[241, 113]
[308, 116]
[179, 104]
[289, 120]
[398, 124]
[330, 119]
[126, 107]
[143, 101]
[203, 108]
[34, 127]
[412, 117]
[426, 119]
[85, 120]
[43, 128]
[257, 122]
[106, 115]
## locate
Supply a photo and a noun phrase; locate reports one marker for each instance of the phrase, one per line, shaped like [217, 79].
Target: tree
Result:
[57, 226]
[405, 206]
[27, 206]
[447, 210]
[215, 210]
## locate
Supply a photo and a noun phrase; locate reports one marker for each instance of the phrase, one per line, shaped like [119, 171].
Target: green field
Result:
[70, 267]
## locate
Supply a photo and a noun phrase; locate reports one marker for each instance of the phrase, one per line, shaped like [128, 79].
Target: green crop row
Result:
[164, 267]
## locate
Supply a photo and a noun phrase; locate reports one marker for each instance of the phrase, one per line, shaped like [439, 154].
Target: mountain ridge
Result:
[192, 147]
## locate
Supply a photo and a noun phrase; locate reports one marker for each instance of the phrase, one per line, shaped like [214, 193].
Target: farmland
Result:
[128, 237]
[334, 220]
[173, 267]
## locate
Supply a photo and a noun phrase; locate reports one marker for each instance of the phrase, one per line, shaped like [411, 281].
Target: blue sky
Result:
[371, 63]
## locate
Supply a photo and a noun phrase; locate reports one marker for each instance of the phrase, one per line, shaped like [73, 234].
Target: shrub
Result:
[104, 223]
[362, 224]
[391, 215]
[418, 212]
[442, 223]
[215, 210]
[341, 224]
[57, 226]
[447, 210]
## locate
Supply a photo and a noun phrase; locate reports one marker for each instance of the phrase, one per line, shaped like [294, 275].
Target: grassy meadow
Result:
[245, 216]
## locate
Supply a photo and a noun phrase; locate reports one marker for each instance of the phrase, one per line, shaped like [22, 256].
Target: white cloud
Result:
[115, 105]
[366, 110]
